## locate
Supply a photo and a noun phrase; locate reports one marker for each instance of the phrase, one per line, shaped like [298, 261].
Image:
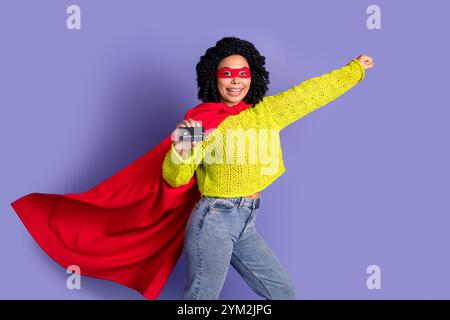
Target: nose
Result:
[236, 80]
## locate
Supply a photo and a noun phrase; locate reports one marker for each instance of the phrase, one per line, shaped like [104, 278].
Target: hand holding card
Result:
[186, 135]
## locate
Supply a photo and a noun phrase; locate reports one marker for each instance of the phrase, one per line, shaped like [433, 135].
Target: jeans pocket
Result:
[222, 205]
[194, 212]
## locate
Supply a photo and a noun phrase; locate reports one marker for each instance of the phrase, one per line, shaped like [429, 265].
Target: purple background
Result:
[367, 178]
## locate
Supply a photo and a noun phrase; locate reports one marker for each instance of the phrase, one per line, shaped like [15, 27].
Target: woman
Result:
[221, 227]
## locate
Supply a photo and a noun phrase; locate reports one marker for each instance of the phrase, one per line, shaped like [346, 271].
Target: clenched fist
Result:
[366, 61]
[183, 146]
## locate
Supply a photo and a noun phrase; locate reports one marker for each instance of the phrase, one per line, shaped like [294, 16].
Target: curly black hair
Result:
[207, 67]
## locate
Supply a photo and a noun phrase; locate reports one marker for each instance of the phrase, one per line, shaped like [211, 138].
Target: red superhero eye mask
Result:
[231, 73]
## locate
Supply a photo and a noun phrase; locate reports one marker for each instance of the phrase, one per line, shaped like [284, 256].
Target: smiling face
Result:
[233, 86]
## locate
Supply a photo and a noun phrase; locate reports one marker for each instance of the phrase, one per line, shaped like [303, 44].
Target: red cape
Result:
[130, 227]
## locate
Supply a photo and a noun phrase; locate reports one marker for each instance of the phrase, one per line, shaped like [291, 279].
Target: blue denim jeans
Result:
[221, 231]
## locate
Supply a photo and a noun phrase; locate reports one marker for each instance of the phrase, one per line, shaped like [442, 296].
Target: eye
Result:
[226, 73]
[243, 73]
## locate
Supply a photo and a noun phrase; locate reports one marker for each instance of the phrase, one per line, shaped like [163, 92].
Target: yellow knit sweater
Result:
[243, 154]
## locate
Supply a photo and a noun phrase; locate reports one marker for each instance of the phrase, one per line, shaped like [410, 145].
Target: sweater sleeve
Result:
[178, 170]
[296, 102]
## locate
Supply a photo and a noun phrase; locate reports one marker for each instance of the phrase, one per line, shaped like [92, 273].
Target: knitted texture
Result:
[243, 154]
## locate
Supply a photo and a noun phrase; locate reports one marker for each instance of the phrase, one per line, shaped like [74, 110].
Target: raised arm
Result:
[296, 102]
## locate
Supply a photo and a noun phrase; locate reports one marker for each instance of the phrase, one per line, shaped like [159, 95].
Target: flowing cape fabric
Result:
[130, 227]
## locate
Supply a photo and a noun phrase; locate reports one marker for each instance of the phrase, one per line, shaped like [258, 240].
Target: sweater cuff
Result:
[179, 158]
[360, 66]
